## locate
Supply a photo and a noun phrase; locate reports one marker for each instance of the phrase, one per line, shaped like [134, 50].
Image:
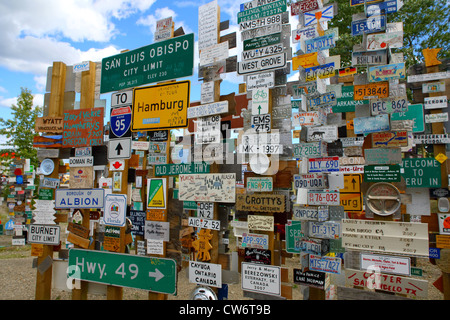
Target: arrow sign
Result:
[119, 149]
[123, 270]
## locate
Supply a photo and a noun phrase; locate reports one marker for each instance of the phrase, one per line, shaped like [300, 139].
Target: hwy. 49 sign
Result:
[120, 122]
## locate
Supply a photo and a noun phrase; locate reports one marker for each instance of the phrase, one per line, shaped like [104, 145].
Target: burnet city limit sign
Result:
[157, 62]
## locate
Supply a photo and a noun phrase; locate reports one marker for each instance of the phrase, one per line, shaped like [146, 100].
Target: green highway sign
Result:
[381, 173]
[181, 168]
[269, 9]
[161, 61]
[415, 113]
[422, 172]
[124, 270]
[263, 41]
[294, 236]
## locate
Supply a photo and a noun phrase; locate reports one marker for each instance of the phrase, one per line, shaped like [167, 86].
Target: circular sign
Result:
[383, 199]
[120, 121]
[47, 166]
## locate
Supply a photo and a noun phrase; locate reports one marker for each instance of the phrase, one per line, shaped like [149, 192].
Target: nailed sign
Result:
[83, 128]
[165, 60]
[161, 106]
[260, 202]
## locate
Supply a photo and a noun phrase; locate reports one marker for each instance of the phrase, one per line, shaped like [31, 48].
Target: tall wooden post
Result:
[44, 279]
[87, 100]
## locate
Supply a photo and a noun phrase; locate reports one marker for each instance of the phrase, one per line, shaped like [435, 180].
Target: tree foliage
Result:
[425, 25]
[19, 130]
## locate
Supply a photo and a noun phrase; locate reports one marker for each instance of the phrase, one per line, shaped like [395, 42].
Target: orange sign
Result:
[376, 90]
[305, 60]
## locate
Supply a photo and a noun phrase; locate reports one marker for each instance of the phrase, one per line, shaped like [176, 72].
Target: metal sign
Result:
[362, 58]
[253, 240]
[119, 148]
[266, 21]
[261, 31]
[387, 72]
[435, 102]
[182, 168]
[79, 198]
[261, 64]
[383, 156]
[432, 139]
[161, 106]
[415, 112]
[422, 173]
[261, 202]
[322, 14]
[294, 235]
[390, 139]
[262, 11]
[204, 223]
[261, 278]
[371, 91]
[262, 52]
[325, 264]
[323, 197]
[261, 122]
[115, 209]
[304, 33]
[390, 6]
[121, 98]
[325, 133]
[329, 164]
[310, 181]
[383, 199]
[321, 43]
[259, 184]
[388, 105]
[371, 124]
[369, 25]
[120, 122]
[320, 72]
[44, 234]
[380, 41]
[208, 274]
[261, 80]
[75, 162]
[303, 6]
[124, 270]
[310, 149]
[262, 41]
[161, 61]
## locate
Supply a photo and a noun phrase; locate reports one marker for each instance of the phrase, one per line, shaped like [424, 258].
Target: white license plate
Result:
[329, 164]
[204, 223]
[310, 181]
[324, 197]
[325, 230]
[252, 240]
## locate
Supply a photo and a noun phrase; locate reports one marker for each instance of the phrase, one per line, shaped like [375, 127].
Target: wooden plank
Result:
[344, 293]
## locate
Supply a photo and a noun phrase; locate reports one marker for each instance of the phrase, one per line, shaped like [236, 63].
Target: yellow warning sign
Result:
[352, 183]
[156, 191]
[162, 106]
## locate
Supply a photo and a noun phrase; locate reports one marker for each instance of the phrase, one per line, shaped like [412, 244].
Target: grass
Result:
[11, 252]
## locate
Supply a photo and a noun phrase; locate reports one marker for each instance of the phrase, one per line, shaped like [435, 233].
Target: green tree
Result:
[425, 25]
[19, 130]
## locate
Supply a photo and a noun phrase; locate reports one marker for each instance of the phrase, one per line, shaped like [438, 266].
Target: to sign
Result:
[161, 106]
[124, 270]
[121, 98]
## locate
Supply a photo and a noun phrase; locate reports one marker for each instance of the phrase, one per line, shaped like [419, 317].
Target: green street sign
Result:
[382, 173]
[181, 168]
[415, 113]
[161, 61]
[422, 172]
[124, 270]
[269, 9]
[294, 236]
[262, 41]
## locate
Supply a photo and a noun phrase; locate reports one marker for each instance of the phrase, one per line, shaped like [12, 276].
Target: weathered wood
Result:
[344, 293]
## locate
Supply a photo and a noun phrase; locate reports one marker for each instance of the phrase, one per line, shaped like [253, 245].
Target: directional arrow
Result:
[118, 149]
[259, 109]
[354, 183]
[157, 275]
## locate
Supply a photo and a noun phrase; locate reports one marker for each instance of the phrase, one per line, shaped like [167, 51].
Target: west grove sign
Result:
[161, 61]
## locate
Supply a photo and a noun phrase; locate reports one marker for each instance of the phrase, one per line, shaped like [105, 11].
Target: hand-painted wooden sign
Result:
[262, 223]
[261, 202]
[202, 245]
[378, 41]
[390, 139]
[83, 128]
[207, 187]
[49, 124]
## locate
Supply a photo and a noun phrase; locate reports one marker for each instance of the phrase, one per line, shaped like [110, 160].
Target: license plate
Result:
[253, 240]
[325, 230]
[325, 264]
[371, 91]
[328, 98]
[204, 223]
[305, 213]
[311, 149]
[324, 197]
[310, 181]
[322, 72]
[328, 164]
[389, 105]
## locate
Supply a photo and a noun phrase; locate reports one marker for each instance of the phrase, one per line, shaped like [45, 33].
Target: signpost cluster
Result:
[340, 170]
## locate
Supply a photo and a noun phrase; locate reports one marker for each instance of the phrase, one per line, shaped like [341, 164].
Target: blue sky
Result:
[35, 33]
